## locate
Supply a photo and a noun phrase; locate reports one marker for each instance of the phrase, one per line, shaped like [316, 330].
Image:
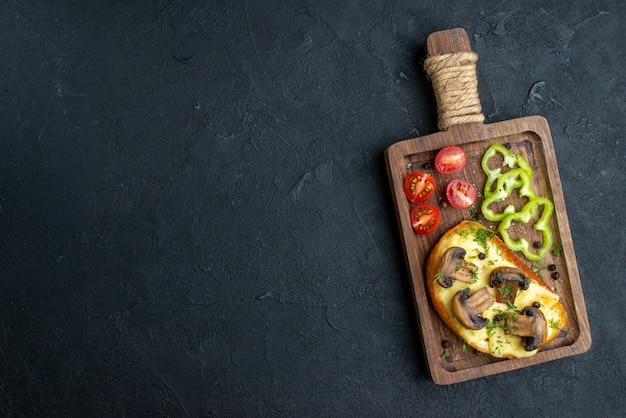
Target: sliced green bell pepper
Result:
[528, 212]
[510, 159]
[517, 178]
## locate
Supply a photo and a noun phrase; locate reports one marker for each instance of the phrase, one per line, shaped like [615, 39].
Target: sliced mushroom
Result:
[453, 266]
[507, 281]
[531, 325]
[468, 309]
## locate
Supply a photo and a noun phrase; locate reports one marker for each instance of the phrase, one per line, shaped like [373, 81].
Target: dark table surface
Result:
[196, 218]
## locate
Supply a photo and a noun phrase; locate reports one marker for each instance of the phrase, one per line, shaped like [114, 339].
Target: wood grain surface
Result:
[530, 137]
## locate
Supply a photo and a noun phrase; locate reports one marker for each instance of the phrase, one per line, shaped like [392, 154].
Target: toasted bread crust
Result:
[464, 235]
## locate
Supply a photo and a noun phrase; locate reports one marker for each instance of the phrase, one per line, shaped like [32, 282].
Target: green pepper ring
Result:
[528, 212]
[512, 179]
[510, 160]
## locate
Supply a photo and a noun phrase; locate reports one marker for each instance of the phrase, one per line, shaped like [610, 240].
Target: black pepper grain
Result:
[552, 267]
[556, 275]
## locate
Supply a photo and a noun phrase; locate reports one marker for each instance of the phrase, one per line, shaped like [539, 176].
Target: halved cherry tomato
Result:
[460, 193]
[450, 159]
[425, 218]
[419, 186]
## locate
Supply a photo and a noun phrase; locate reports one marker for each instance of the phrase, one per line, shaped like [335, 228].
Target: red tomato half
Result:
[450, 160]
[425, 218]
[419, 186]
[460, 193]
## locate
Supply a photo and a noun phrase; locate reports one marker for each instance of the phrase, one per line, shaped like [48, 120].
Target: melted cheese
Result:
[490, 339]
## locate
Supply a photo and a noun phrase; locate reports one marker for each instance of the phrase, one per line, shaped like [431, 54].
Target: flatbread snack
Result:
[488, 296]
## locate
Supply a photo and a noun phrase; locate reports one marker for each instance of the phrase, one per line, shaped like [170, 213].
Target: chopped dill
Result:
[474, 277]
[463, 345]
[505, 291]
[465, 232]
[513, 308]
[439, 275]
[481, 237]
[474, 214]
[538, 267]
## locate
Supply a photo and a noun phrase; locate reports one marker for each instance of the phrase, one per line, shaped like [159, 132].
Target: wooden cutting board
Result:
[530, 137]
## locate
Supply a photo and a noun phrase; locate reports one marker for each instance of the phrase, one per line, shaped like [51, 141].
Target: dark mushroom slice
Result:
[468, 309]
[508, 281]
[531, 325]
[453, 266]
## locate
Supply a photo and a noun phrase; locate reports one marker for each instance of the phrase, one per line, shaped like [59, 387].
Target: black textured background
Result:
[195, 218]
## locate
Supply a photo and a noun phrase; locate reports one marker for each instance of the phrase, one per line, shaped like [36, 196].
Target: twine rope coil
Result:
[456, 88]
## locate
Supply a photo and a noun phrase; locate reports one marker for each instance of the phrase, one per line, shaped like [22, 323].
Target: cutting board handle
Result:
[451, 66]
